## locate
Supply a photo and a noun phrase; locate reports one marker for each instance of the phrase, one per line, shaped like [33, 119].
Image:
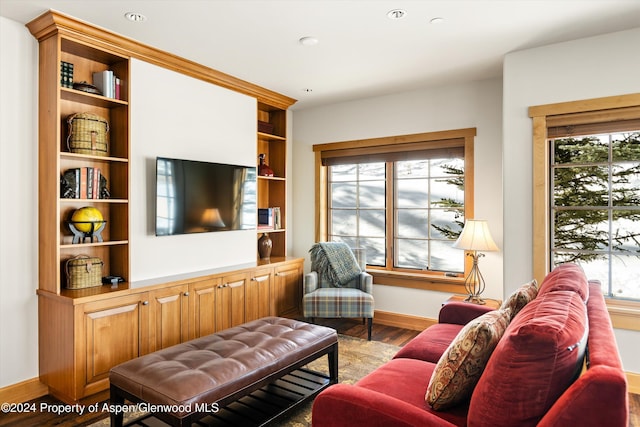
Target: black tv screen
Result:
[199, 197]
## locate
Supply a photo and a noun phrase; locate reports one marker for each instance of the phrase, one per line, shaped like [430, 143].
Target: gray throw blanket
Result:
[335, 262]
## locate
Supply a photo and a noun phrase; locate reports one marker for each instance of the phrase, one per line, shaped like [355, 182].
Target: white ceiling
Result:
[361, 53]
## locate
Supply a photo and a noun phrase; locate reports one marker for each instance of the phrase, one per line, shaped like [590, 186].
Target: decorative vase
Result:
[263, 168]
[264, 246]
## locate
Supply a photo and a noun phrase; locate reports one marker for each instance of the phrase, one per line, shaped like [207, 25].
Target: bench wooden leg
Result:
[117, 400]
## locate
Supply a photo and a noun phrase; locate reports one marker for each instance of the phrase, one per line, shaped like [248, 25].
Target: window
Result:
[595, 208]
[404, 202]
[585, 195]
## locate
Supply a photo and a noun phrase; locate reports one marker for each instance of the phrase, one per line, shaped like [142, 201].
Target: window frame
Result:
[624, 314]
[457, 138]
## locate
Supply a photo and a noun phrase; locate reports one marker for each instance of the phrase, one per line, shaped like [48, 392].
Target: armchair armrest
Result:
[365, 282]
[310, 282]
[460, 312]
[352, 406]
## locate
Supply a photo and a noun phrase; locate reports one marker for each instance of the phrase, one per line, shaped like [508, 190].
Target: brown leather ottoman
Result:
[218, 369]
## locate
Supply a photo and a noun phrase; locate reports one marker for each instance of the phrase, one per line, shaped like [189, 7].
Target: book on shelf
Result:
[82, 183]
[269, 218]
[109, 84]
[66, 74]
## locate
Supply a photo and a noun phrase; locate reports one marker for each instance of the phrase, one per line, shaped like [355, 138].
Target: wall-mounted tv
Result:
[198, 197]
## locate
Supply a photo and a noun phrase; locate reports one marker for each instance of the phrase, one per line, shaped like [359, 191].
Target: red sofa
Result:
[535, 376]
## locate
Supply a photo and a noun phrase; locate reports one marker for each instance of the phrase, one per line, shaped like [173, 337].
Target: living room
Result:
[497, 107]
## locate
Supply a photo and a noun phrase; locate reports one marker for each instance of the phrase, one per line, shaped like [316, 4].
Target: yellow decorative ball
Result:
[83, 217]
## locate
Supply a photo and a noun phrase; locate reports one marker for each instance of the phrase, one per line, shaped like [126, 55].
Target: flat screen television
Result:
[198, 197]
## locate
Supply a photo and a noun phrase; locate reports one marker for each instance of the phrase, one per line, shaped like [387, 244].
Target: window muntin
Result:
[595, 208]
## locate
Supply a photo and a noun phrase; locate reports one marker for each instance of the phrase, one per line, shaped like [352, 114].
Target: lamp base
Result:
[475, 299]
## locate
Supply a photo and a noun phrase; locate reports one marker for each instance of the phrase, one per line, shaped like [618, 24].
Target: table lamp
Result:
[475, 237]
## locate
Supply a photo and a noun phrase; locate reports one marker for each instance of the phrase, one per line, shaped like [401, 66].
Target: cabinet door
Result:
[230, 301]
[169, 311]
[288, 284]
[202, 312]
[259, 301]
[112, 331]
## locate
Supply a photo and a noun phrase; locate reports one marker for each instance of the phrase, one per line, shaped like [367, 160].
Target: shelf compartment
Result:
[87, 59]
[115, 258]
[116, 215]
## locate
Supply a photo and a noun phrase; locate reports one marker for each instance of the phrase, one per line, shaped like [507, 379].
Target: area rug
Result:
[356, 358]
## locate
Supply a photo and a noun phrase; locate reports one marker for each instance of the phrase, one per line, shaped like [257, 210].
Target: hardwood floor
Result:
[355, 328]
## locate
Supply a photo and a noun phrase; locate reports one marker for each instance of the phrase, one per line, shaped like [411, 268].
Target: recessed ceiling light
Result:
[135, 17]
[308, 41]
[437, 20]
[396, 14]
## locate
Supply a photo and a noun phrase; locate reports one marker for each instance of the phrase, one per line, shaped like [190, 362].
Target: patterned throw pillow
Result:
[461, 365]
[521, 297]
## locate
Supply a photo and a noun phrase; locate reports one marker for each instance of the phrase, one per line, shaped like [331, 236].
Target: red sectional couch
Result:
[553, 362]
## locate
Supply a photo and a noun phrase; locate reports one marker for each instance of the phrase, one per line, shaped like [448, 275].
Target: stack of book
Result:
[269, 218]
[84, 183]
[66, 74]
[107, 83]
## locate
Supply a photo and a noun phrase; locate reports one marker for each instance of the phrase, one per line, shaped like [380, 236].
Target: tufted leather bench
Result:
[220, 368]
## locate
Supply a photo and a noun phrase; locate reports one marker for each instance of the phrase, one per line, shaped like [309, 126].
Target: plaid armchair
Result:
[326, 299]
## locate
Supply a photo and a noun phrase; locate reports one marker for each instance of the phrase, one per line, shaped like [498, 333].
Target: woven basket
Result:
[87, 134]
[83, 271]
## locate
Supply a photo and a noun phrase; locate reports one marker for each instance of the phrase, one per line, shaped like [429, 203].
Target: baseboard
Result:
[406, 321]
[23, 391]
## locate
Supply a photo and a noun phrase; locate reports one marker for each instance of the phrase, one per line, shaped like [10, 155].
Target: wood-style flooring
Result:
[355, 328]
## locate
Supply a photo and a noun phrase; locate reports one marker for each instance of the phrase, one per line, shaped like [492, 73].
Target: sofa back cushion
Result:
[521, 297]
[461, 365]
[538, 357]
[566, 277]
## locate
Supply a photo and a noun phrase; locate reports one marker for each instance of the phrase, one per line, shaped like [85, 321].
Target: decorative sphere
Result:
[83, 217]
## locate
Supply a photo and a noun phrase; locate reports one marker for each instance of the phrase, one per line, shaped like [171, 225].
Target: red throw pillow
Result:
[461, 365]
[566, 277]
[533, 364]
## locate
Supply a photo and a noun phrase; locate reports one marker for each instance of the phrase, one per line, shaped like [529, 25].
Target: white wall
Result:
[476, 104]
[588, 68]
[18, 204]
[173, 115]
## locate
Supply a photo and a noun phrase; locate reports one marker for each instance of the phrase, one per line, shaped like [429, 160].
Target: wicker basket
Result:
[83, 271]
[87, 134]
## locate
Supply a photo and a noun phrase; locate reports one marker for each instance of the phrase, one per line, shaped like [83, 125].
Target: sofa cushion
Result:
[429, 344]
[566, 277]
[521, 297]
[397, 378]
[461, 365]
[536, 360]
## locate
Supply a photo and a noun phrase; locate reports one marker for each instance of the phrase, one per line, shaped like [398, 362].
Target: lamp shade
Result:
[475, 236]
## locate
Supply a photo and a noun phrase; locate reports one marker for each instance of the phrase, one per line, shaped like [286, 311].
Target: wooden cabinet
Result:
[229, 305]
[79, 342]
[169, 313]
[272, 190]
[288, 288]
[202, 307]
[111, 331]
[259, 295]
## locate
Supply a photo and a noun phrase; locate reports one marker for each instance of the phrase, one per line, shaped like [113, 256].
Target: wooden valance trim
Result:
[53, 23]
[596, 104]
[402, 139]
